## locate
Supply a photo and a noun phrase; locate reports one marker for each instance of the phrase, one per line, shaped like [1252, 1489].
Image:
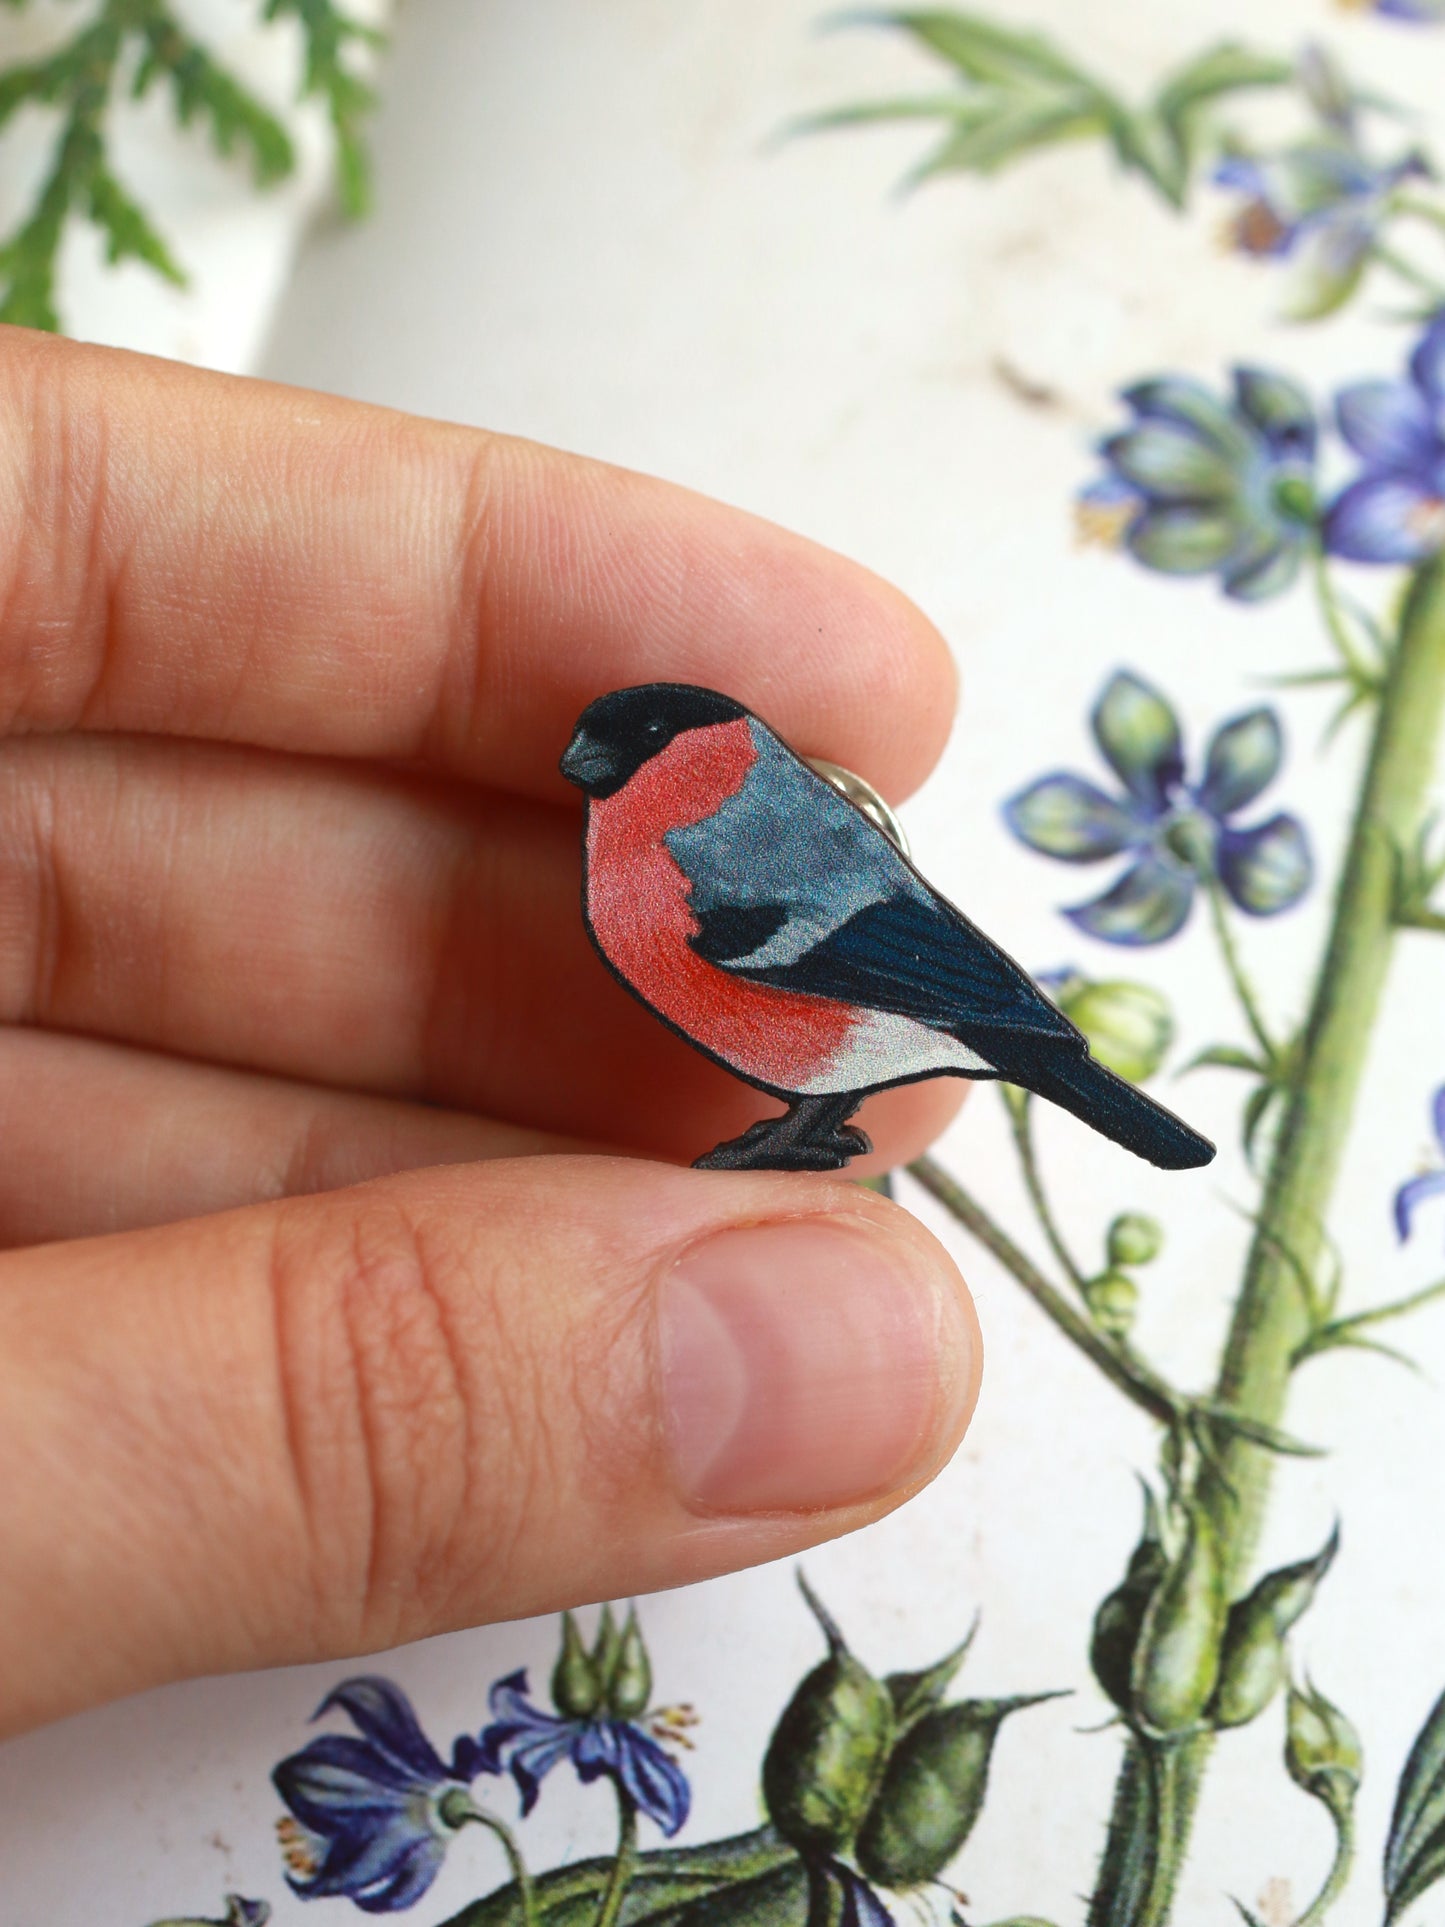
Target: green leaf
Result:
[1257, 1432]
[1222, 69]
[1415, 1850]
[664, 1886]
[978, 47]
[991, 142]
[1226, 1057]
[129, 235]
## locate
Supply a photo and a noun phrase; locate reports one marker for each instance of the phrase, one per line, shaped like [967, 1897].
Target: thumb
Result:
[341, 1422]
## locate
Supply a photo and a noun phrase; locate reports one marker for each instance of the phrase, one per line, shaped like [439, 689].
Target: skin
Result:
[340, 1176]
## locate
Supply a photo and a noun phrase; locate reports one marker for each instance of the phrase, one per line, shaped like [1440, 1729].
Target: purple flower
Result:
[1176, 833]
[371, 1818]
[1394, 510]
[527, 1742]
[1429, 1184]
[1322, 204]
[1419, 12]
[1196, 485]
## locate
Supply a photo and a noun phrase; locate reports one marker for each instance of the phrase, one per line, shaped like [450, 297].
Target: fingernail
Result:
[808, 1364]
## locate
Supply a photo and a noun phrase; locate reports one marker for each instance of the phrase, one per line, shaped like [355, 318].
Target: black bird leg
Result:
[813, 1134]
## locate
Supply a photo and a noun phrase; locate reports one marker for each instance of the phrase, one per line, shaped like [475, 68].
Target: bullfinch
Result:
[767, 920]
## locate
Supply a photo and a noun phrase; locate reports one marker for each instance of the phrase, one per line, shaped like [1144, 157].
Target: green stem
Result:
[1421, 210]
[1122, 1369]
[1168, 1848]
[616, 1889]
[1243, 989]
[1272, 1316]
[515, 1862]
[1338, 1874]
[1020, 1115]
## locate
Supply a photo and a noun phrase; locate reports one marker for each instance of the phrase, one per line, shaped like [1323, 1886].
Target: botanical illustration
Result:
[872, 1782]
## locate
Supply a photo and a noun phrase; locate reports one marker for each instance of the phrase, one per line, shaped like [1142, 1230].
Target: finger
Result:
[191, 554]
[347, 1421]
[102, 1138]
[361, 929]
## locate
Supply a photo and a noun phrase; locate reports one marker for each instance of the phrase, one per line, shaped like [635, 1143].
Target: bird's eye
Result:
[654, 728]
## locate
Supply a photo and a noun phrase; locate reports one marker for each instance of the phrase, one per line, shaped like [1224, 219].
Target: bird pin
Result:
[771, 923]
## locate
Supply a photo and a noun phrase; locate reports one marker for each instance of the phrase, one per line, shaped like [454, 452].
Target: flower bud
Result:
[828, 1750]
[1322, 1751]
[605, 1647]
[932, 1791]
[1129, 1026]
[629, 1687]
[1113, 1299]
[1134, 1239]
[1252, 1657]
[1176, 1662]
[1120, 1617]
[576, 1689]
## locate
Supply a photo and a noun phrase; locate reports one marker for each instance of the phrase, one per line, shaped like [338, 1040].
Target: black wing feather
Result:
[914, 957]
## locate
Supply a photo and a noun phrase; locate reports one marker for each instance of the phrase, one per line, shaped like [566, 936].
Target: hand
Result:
[304, 1349]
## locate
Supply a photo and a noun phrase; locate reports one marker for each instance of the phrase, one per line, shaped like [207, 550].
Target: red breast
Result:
[637, 904]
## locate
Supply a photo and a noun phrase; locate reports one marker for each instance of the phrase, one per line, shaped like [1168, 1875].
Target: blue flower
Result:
[528, 1743]
[1394, 510]
[371, 1818]
[1429, 1184]
[1176, 833]
[1322, 203]
[1420, 12]
[1200, 486]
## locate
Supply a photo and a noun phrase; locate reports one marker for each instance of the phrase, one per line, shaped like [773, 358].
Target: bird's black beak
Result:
[587, 763]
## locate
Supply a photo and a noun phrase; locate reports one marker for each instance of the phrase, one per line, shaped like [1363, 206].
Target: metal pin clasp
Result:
[863, 797]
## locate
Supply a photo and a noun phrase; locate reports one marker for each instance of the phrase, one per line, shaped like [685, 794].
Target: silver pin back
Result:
[864, 797]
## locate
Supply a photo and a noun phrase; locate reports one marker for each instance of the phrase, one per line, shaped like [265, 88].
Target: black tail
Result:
[1082, 1085]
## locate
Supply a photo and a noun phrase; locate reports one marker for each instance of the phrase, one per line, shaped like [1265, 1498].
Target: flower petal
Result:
[1183, 541]
[1148, 904]
[1138, 733]
[1330, 264]
[337, 1775]
[1385, 518]
[1437, 1116]
[1170, 462]
[1243, 758]
[656, 1782]
[861, 1905]
[1266, 869]
[361, 1860]
[1266, 570]
[1389, 423]
[1280, 409]
[1430, 1184]
[410, 1878]
[384, 1714]
[1063, 816]
[1427, 364]
[1178, 398]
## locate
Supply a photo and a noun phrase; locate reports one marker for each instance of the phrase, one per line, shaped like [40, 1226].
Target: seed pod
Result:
[933, 1791]
[1134, 1239]
[1113, 1299]
[829, 1749]
[1252, 1657]
[630, 1686]
[1119, 1618]
[1176, 1662]
[576, 1689]
[604, 1648]
[1129, 1026]
[1322, 1751]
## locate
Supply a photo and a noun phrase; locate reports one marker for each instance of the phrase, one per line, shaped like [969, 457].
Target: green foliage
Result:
[1252, 1656]
[126, 47]
[1018, 92]
[1415, 1850]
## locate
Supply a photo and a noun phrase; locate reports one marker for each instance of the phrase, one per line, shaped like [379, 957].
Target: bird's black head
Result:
[617, 734]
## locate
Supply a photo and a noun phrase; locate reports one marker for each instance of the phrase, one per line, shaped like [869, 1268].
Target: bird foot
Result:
[800, 1140]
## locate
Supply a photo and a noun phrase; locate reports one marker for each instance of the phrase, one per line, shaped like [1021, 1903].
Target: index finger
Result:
[189, 553]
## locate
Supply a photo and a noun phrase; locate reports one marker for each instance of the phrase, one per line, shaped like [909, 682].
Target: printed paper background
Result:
[589, 233]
